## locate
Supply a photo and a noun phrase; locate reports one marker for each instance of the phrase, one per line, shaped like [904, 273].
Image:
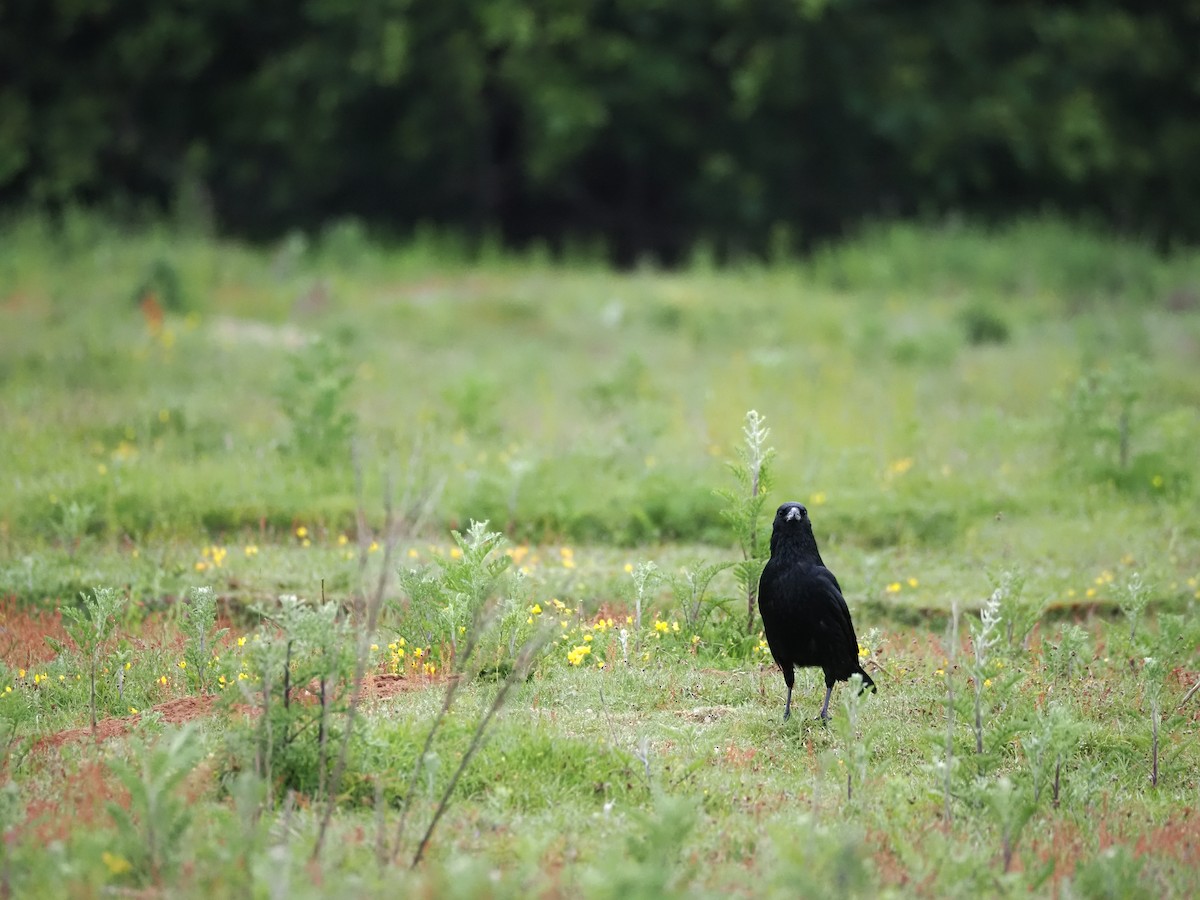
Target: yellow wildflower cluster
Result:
[577, 654]
[211, 558]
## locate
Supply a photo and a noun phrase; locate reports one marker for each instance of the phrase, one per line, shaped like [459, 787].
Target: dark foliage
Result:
[753, 126]
[804, 614]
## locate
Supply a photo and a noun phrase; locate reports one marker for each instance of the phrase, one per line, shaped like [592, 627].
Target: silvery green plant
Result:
[644, 576]
[199, 627]
[1048, 746]
[752, 470]
[983, 638]
[853, 747]
[1135, 597]
[1022, 614]
[1153, 672]
[1064, 657]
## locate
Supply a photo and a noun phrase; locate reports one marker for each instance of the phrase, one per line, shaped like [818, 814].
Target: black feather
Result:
[804, 614]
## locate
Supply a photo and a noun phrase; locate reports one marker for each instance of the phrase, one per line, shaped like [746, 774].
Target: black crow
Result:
[804, 614]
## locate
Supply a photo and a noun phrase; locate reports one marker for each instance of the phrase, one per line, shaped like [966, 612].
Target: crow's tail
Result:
[867, 682]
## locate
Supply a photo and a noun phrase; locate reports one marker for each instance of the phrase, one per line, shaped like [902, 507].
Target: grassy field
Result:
[236, 529]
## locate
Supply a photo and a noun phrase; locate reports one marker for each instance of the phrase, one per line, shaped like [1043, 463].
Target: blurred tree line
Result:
[754, 125]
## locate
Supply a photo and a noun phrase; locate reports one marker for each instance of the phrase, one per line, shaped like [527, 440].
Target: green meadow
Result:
[334, 568]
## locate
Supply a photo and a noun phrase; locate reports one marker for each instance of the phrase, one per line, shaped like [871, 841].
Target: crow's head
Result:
[791, 514]
[792, 532]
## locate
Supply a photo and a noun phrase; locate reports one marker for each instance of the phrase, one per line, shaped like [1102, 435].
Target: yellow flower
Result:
[251, 550]
[536, 609]
[182, 664]
[374, 648]
[940, 672]
[675, 626]
[456, 553]
[133, 711]
[242, 641]
[20, 673]
[162, 680]
[117, 865]
[343, 540]
[302, 532]
[374, 546]
[413, 553]
[863, 652]
[912, 582]
[893, 588]
[1156, 481]
[661, 627]
[576, 655]
[817, 499]
[900, 466]
[987, 682]
[629, 567]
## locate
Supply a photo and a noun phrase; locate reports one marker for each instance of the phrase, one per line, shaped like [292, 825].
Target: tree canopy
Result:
[646, 124]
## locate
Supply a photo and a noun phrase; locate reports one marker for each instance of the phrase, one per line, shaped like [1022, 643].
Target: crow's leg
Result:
[824, 715]
[789, 676]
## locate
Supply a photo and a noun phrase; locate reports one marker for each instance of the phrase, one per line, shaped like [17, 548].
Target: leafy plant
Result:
[743, 511]
[446, 598]
[153, 829]
[91, 628]
[301, 649]
[199, 628]
[1135, 596]
[690, 588]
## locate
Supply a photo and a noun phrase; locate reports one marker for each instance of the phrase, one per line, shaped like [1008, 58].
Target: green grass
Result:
[953, 404]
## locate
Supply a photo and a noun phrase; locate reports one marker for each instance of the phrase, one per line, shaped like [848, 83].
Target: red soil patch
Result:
[186, 709]
[23, 634]
[81, 801]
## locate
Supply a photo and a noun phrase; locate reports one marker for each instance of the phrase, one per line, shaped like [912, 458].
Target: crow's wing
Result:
[830, 594]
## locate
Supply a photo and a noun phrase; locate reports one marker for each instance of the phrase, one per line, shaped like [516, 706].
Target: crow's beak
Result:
[793, 513]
